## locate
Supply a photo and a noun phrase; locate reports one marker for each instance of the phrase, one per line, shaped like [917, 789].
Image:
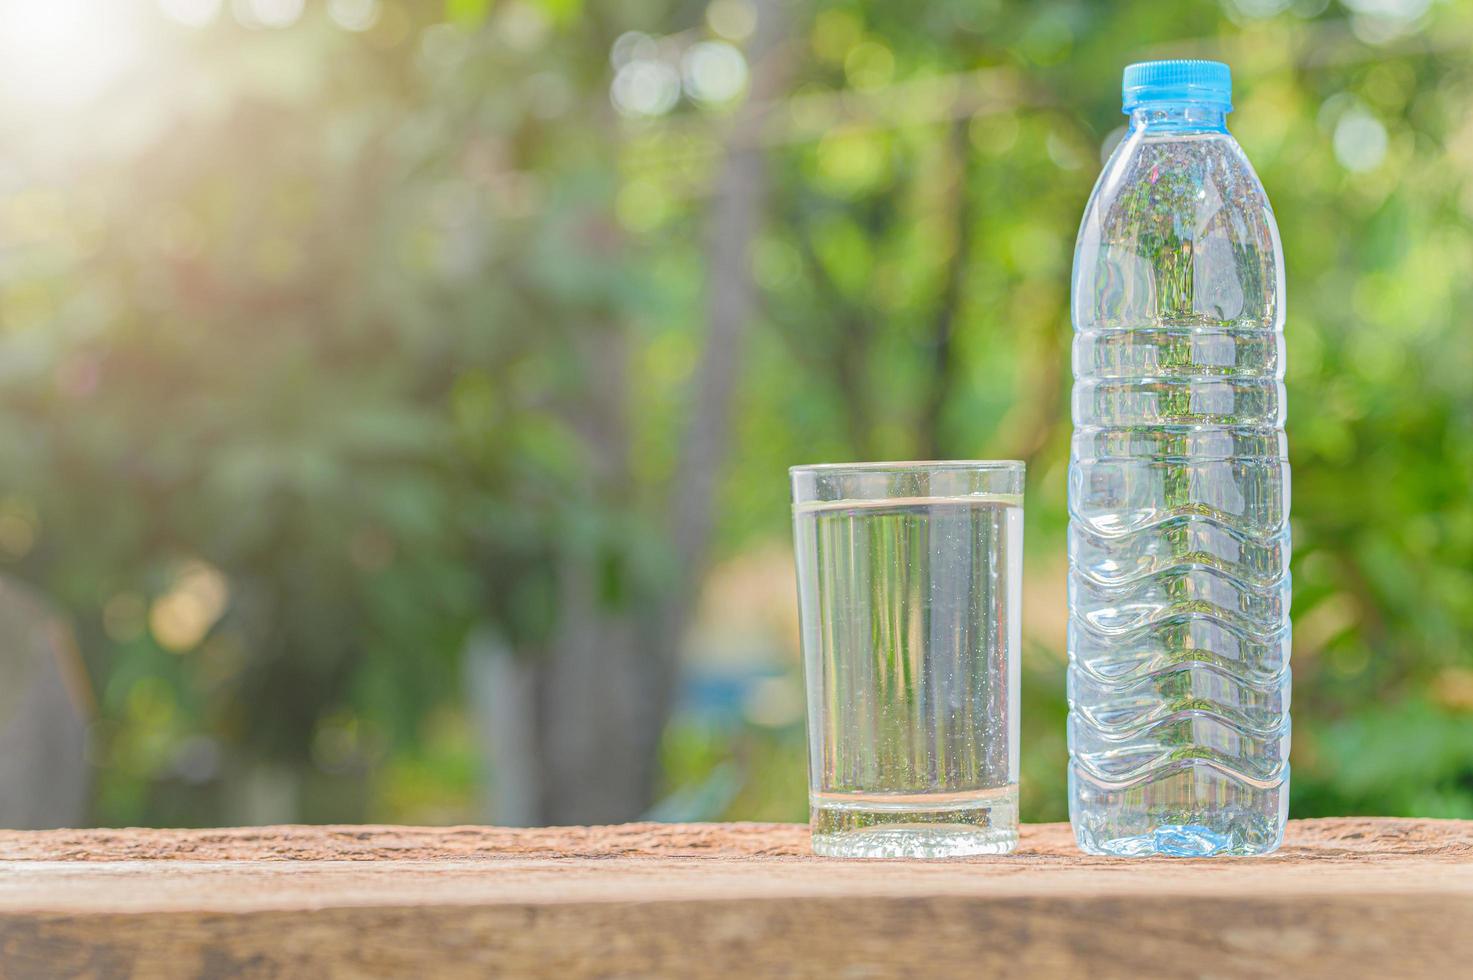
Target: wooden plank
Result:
[1347, 897]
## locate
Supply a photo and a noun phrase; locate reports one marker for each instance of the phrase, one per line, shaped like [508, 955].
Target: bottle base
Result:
[1175, 840]
[945, 826]
[1185, 810]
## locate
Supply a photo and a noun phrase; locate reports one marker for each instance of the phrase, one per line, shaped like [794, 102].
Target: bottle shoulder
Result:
[1178, 229]
[1191, 175]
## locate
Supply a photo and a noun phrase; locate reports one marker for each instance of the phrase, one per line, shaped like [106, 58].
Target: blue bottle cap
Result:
[1208, 82]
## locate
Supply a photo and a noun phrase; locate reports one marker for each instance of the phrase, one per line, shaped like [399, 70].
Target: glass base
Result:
[915, 826]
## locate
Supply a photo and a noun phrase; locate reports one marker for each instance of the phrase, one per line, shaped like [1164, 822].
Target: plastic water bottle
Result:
[1178, 488]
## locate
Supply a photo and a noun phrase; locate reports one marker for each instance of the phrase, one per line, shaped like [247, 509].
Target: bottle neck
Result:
[1178, 117]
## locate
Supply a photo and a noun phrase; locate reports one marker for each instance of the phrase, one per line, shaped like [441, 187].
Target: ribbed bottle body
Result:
[1179, 545]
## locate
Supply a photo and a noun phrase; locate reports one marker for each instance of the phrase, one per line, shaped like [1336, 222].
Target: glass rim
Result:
[913, 466]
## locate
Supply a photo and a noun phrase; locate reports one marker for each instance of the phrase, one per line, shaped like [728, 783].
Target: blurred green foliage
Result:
[288, 323]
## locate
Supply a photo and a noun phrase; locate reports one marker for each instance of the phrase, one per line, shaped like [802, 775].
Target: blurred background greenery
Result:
[395, 397]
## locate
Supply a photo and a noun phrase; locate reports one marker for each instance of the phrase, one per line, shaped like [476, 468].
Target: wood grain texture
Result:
[1350, 897]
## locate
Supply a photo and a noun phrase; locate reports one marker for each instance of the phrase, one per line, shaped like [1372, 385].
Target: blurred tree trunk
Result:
[503, 695]
[932, 442]
[601, 693]
[597, 688]
[45, 709]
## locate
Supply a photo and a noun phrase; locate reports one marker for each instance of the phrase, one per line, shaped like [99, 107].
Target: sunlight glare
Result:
[64, 52]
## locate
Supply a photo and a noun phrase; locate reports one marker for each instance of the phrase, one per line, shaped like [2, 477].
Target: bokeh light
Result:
[732, 19]
[522, 26]
[180, 618]
[1260, 8]
[869, 65]
[354, 15]
[632, 46]
[268, 13]
[645, 87]
[715, 72]
[19, 527]
[191, 13]
[1383, 21]
[1360, 140]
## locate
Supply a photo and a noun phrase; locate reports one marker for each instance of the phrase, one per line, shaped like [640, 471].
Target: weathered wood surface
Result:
[1344, 898]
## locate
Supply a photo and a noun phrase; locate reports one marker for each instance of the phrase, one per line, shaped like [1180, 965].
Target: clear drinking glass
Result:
[909, 581]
